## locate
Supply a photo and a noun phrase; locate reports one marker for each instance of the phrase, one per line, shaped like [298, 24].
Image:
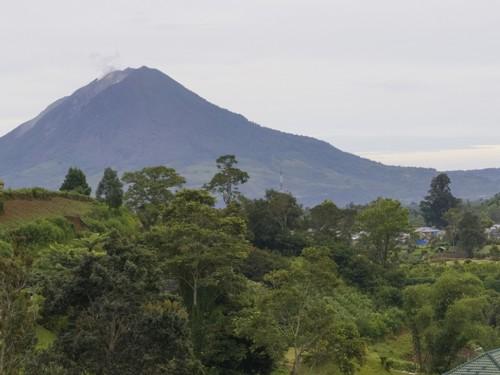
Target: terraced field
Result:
[21, 211]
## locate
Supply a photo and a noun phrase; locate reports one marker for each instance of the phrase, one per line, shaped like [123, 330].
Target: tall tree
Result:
[470, 233]
[200, 245]
[419, 315]
[273, 222]
[383, 221]
[325, 217]
[76, 181]
[446, 317]
[120, 319]
[110, 189]
[284, 208]
[438, 201]
[203, 249]
[149, 191]
[453, 217]
[227, 180]
[18, 312]
[330, 223]
[297, 312]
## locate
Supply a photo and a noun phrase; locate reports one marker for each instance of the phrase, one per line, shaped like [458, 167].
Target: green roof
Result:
[486, 364]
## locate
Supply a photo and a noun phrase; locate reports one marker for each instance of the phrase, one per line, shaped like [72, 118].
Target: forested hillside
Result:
[155, 279]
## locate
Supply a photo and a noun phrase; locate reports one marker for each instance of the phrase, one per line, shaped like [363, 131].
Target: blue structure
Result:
[485, 364]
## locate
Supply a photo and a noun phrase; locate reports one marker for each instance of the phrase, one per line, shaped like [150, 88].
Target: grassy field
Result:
[20, 211]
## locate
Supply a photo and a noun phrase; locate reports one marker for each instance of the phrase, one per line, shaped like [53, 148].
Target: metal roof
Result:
[485, 364]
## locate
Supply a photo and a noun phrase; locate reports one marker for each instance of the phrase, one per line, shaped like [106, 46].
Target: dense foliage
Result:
[226, 181]
[438, 201]
[170, 283]
[76, 181]
[110, 189]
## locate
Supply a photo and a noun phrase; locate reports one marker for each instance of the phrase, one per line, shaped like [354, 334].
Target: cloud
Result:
[105, 63]
[474, 157]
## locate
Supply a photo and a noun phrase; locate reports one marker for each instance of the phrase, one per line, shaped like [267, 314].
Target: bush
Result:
[372, 325]
[103, 219]
[394, 364]
[388, 296]
[260, 262]
[43, 194]
[404, 366]
[5, 249]
[495, 252]
[493, 282]
[43, 232]
[394, 320]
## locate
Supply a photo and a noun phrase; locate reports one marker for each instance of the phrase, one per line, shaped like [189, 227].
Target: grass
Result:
[397, 349]
[21, 211]
[44, 338]
[372, 366]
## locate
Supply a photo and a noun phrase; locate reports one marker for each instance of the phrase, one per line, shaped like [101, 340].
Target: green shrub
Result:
[394, 319]
[388, 296]
[5, 249]
[405, 366]
[43, 232]
[495, 252]
[493, 282]
[43, 194]
[372, 325]
[103, 219]
[395, 364]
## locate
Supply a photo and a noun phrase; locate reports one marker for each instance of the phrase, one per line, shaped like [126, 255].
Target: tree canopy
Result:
[110, 189]
[227, 180]
[149, 190]
[172, 284]
[297, 311]
[470, 233]
[383, 221]
[76, 181]
[438, 201]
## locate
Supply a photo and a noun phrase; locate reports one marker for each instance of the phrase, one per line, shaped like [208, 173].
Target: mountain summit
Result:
[134, 118]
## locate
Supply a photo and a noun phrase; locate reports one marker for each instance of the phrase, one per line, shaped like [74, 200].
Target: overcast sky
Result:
[413, 82]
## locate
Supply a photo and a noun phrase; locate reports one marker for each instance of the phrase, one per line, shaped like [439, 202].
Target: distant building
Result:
[426, 234]
[357, 236]
[429, 233]
[485, 364]
[493, 232]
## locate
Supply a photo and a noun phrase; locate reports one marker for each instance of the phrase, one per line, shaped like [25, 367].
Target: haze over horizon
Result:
[399, 82]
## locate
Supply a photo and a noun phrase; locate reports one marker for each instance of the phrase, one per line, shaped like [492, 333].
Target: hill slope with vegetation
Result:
[27, 205]
[139, 117]
[161, 281]
[21, 211]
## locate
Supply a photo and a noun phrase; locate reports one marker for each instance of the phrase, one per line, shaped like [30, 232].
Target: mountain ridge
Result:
[138, 117]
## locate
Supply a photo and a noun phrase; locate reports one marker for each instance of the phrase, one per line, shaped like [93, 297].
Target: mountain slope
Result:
[139, 117]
